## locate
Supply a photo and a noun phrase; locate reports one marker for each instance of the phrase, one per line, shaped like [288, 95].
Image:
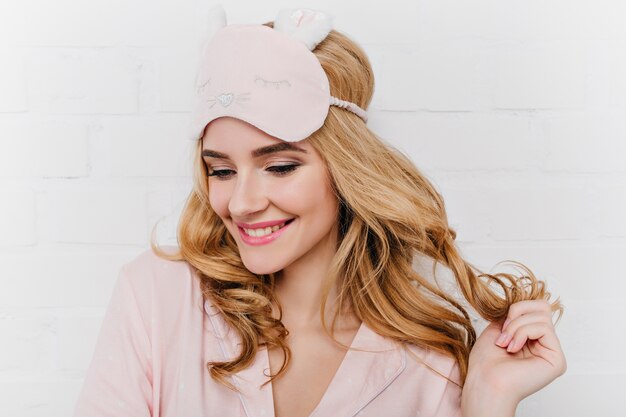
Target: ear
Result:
[215, 20]
[306, 25]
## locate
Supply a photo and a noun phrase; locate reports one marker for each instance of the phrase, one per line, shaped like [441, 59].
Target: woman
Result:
[293, 292]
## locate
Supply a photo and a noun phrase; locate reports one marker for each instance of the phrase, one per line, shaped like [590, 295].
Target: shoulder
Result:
[148, 262]
[441, 366]
[157, 281]
[149, 268]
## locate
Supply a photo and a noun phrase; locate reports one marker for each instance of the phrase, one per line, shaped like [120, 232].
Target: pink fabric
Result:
[261, 76]
[158, 333]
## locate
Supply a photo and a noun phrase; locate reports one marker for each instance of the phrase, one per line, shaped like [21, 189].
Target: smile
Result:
[264, 231]
[265, 235]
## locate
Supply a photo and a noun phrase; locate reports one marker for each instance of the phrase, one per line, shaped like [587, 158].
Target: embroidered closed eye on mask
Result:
[267, 77]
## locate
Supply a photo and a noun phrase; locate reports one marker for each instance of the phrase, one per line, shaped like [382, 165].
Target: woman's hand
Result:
[512, 361]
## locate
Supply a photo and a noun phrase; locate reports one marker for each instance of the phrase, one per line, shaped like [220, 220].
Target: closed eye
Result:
[278, 170]
[282, 169]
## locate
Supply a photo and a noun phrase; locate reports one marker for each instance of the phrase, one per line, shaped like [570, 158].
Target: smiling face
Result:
[256, 178]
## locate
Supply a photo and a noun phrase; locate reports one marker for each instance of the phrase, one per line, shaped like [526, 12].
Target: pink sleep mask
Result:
[266, 77]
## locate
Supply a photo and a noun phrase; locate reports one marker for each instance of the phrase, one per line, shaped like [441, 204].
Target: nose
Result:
[248, 196]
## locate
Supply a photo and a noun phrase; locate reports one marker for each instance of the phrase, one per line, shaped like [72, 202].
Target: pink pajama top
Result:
[158, 334]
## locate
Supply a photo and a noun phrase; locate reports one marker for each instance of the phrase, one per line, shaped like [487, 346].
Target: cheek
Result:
[218, 198]
[302, 194]
[310, 193]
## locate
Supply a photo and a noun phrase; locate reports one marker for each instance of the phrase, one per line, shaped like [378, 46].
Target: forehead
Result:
[232, 133]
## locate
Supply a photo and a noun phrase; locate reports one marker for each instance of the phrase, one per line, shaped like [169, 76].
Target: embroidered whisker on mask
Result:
[227, 99]
[268, 77]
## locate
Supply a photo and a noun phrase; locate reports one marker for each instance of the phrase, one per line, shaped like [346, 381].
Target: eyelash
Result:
[279, 170]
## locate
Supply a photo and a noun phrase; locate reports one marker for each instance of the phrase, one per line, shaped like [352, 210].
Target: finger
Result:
[541, 332]
[507, 334]
[556, 358]
[525, 307]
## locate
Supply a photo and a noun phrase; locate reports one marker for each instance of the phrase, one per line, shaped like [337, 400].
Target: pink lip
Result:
[262, 240]
[262, 224]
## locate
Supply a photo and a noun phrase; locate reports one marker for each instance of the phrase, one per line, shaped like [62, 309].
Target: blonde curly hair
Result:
[380, 232]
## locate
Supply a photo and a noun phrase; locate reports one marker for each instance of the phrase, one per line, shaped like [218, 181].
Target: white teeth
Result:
[263, 232]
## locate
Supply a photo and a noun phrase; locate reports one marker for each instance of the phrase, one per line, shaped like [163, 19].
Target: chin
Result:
[263, 270]
[262, 267]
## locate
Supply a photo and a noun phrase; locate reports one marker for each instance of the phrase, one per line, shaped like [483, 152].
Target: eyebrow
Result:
[278, 147]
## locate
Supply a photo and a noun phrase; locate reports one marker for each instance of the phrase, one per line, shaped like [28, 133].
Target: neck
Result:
[299, 289]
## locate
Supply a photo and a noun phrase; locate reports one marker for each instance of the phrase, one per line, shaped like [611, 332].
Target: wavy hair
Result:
[380, 233]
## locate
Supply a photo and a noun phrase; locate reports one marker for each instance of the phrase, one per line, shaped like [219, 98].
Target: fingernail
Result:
[511, 346]
[501, 339]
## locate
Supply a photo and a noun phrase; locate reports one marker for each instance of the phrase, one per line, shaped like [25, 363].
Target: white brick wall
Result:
[515, 110]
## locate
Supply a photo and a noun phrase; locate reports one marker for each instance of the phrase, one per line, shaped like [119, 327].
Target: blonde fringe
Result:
[381, 231]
